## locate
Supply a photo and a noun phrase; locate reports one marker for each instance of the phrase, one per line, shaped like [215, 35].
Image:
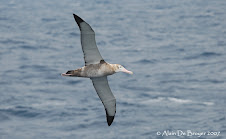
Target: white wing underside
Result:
[89, 47]
[104, 92]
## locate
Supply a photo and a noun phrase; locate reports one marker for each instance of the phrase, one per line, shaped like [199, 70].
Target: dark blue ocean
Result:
[176, 49]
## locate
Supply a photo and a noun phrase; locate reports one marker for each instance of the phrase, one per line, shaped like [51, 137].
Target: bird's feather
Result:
[104, 92]
[89, 47]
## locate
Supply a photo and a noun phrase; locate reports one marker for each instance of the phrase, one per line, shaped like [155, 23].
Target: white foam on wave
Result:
[173, 100]
[177, 100]
[208, 103]
[151, 101]
[187, 101]
[49, 104]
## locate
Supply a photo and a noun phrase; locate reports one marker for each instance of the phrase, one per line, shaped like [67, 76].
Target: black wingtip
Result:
[78, 19]
[110, 119]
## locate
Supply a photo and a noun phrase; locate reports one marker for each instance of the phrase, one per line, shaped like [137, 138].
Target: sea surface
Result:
[176, 49]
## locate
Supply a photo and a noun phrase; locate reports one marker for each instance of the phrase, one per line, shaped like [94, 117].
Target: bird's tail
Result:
[76, 73]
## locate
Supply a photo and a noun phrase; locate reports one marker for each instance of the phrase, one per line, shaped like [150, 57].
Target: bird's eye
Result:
[120, 66]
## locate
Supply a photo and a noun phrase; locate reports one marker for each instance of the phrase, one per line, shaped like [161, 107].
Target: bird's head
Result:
[120, 68]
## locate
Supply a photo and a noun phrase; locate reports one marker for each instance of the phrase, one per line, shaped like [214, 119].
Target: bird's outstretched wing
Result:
[104, 92]
[89, 47]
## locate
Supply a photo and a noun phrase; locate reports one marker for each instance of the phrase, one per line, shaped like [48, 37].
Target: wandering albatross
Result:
[96, 69]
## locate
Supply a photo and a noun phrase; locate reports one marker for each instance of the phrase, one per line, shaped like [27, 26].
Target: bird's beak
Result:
[127, 71]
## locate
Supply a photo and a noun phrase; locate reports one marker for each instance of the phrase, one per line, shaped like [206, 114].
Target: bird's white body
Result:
[93, 70]
[97, 70]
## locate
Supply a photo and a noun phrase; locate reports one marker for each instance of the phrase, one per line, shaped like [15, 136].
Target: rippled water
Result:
[176, 49]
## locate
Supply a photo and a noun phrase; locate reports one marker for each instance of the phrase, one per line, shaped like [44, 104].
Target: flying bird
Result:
[96, 69]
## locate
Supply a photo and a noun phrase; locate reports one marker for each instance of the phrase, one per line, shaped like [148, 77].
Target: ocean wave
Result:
[146, 61]
[203, 55]
[20, 111]
[174, 100]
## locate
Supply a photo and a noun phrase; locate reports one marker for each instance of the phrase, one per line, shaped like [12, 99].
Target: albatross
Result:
[96, 69]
